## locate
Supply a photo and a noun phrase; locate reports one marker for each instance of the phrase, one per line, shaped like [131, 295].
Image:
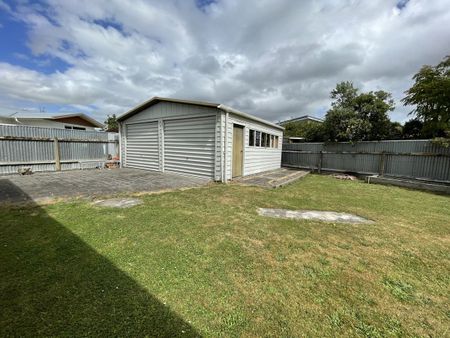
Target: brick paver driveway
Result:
[39, 187]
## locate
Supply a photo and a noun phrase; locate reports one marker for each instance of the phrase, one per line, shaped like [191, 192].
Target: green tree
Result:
[343, 124]
[344, 95]
[373, 107]
[395, 131]
[310, 130]
[412, 129]
[111, 123]
[358, 116]
[315, 133]
[430, 94]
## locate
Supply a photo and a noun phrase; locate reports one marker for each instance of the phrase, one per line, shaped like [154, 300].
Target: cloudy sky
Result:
[275, 59]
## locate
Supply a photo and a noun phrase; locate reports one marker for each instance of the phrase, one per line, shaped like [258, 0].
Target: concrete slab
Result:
[47, 187]
[325, 216]
[273, 178]
[118, 203]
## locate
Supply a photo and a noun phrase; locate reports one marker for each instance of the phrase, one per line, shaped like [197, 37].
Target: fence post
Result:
[382, 163]
[319, 166]
[57, 154]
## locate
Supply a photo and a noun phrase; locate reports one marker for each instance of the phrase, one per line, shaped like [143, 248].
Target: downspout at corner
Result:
[120, 145]
[225, 149]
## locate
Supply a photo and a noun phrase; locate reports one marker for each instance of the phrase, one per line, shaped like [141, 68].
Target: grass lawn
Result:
[201, 262]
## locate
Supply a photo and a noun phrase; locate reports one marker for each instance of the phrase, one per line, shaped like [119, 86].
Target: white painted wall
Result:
[256, 159]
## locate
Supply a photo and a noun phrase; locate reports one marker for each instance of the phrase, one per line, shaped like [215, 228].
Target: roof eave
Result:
[303, 118]
[248, 116]
[81, 115]
[157, 99]
[222, 107]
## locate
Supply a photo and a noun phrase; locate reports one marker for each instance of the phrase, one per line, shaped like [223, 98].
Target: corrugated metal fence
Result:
[419, 159]
[49, 149]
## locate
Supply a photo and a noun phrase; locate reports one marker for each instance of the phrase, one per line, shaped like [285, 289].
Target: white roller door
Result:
[142, 146]
[189, 146]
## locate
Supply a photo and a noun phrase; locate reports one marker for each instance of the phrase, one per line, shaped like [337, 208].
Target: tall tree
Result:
[310, 130]
[344, 95]
[343, 124]
[358, 116]
[430, 94]
[412, 129]
[395, 131]
[111, 123]
[373, 107]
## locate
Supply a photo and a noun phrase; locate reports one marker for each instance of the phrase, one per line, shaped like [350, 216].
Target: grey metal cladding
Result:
[189, 146]
[29, 146]
[142, 146]
[403, 158]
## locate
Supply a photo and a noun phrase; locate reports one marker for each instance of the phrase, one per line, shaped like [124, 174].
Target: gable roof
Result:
[154, 100]
[41, 116]
[303, 118]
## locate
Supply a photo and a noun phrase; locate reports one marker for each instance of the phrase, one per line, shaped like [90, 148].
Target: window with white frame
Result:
[259, 139]
[251, 138]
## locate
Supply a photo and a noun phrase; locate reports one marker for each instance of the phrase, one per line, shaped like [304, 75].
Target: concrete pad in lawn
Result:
[118, 203]
[314, 215]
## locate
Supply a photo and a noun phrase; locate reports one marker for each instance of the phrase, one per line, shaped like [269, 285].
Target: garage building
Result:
[198, 138]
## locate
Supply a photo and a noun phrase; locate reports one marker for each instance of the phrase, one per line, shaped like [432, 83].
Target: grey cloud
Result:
[306, 63]
[275, 59]
[205, 64]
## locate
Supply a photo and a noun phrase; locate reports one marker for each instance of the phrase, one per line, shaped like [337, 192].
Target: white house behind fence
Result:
[198, 138]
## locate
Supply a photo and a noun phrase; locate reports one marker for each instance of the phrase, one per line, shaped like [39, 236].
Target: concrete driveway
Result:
[43, 187]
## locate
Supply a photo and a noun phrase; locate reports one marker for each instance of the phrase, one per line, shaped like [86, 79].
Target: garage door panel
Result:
[192, 157]
[139, 149]
[206, 163]
[192, 146]
[142, 148]
[189, 146]
[194, 131]
[182, 169]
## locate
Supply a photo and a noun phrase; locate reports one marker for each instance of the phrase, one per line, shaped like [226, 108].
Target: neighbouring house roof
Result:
[303, 118]
[40, 116]
[222, 107]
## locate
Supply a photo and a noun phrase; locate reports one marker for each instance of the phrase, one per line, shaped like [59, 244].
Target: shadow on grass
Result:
[54, 284]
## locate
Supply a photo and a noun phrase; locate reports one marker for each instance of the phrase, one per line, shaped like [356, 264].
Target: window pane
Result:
[263, 139]
[251, 138]
[272, 141]
[276, 141]
[258, 139]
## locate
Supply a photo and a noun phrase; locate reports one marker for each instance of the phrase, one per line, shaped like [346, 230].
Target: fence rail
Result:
[419, 159]
[50, 149]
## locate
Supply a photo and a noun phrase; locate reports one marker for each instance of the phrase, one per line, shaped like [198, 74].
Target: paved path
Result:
[273, 178]
[40, 187]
